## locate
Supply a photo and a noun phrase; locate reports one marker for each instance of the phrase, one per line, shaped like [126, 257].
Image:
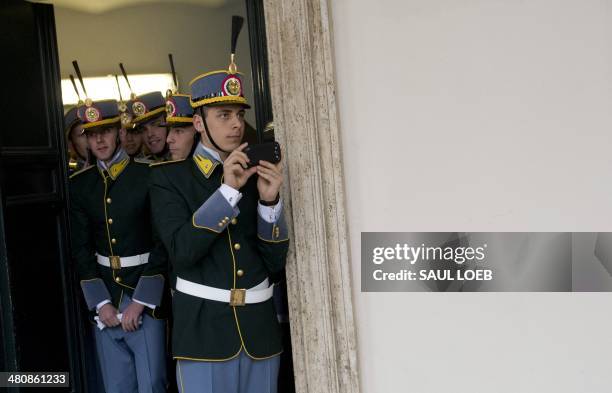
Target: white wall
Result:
[474, 115]
[141, 37]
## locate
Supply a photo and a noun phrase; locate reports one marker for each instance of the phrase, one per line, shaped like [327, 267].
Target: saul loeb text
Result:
[423, 263]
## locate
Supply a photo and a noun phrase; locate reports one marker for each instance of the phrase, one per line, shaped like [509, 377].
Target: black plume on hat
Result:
[237, 22]
[75, 64]
[132, 94]
[173, 71]
[75, 89]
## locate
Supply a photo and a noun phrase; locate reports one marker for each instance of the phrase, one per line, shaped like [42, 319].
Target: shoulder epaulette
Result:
[164, 162]
[81, 171]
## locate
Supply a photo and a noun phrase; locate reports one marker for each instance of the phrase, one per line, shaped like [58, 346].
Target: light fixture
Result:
[105, 87]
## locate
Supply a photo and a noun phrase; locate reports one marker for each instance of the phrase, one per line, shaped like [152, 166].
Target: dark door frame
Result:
[50, 159]
[259, 64]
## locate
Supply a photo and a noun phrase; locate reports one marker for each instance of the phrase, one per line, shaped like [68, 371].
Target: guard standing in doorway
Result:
[130, 137]
[182, 137]
[79, 155]
[148, 112]
[225, 233]
[122, 268]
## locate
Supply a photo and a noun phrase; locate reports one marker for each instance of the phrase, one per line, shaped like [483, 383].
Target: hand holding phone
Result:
[269, 151]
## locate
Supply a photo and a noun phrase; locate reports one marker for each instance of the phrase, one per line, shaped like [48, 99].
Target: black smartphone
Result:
[268, 151]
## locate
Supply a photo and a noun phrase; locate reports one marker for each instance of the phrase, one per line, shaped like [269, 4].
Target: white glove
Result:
[101, 324]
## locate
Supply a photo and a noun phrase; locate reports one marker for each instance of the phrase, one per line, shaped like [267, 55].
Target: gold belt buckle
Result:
[237, 297]
[115, 262]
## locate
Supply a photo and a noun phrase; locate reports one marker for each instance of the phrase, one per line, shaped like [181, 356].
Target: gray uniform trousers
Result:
[238, 375]
[133, 362]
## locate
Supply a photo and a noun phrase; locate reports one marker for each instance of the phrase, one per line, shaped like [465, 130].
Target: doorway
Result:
[33, 157]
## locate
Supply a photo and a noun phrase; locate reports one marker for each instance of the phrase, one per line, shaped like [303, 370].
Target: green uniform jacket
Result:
[110, 215]
[212, 244]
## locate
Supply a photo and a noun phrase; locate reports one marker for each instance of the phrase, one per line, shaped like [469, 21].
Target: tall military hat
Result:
[145, 106]
[99, 113]
[224, 86]
[178, 106]
[178, 109]
[94, 114]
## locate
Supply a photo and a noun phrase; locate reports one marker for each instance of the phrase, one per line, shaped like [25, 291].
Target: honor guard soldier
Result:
[148, 112]
[131, 140]
[224, 230]
[182, 137]
[78, 151]
[130, 137]
[122, 270]
[77, 143]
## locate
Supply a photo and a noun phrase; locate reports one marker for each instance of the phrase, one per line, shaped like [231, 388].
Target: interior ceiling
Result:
[99, 6]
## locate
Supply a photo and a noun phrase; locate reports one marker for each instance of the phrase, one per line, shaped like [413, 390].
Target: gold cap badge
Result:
[139, 108]
[92, 114]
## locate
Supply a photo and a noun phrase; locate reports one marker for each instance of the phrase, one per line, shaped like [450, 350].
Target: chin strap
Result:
[210, 138]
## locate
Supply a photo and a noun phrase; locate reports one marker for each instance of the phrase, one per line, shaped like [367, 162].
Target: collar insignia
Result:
[205, 165]
[117, 168]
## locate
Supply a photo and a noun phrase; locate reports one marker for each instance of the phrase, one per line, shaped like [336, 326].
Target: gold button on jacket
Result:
[209, 329]
[112, 218]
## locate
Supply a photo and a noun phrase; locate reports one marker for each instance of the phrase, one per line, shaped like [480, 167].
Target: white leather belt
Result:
[118, 262]
[235, 297]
